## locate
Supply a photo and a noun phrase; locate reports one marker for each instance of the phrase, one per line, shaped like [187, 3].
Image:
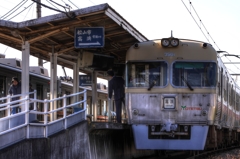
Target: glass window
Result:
[194, 74]
[146, 74]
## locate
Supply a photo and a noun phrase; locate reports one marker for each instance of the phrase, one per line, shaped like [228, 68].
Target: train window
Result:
[42, 71]
[18, 63]
[194, 74]
[237, 102]
[225, 88]
[144, 74]
[2, 94]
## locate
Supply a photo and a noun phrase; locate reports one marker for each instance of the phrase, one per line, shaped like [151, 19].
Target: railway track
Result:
[209, 154]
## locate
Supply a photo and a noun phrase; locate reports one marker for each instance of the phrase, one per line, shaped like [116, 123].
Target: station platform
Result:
[108, 125]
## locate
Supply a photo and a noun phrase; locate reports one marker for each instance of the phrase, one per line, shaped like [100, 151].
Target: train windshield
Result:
[194, 74]
[146, 74]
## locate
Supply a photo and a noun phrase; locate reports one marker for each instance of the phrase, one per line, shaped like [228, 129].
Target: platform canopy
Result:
[58, 32]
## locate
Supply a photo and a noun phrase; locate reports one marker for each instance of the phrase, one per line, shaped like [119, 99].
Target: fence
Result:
[24, 124]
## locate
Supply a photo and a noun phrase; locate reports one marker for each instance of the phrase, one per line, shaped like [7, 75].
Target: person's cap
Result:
[14, 79]
[110, 73]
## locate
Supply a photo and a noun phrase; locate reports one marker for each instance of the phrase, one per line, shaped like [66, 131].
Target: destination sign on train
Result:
[89, 37]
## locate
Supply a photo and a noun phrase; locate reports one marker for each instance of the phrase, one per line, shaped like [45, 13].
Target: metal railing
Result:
[26, 124]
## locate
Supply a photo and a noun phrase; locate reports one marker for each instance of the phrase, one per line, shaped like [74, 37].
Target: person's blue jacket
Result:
[14, 90]
[116, 85]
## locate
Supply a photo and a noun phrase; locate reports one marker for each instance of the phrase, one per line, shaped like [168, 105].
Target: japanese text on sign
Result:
[89, 37]
[85, 80]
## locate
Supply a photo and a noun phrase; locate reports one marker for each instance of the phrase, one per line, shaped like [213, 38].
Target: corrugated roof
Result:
[58, 31]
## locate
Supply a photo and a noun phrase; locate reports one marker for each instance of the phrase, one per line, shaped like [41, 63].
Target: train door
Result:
[237, 122]
[221, 91]
[2, 93]
[224, 104]
[220, 96]
[40, 106]
[89, 104]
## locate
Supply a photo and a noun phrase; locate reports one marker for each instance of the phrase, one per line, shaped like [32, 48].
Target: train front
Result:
[171, 93]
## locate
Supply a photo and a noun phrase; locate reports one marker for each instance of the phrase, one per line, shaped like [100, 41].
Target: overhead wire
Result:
[200, 23]
[92, 2]
[189, 10]
[21, 11]
[52, 5]
[59, 5]
[18, 5]
[196, 21]
[233, 64]
[73, 4]
[66, 4]
[12, 9]
[48, 6]
[28, 11]
[204, 26]
[33, 10]
[6, 49]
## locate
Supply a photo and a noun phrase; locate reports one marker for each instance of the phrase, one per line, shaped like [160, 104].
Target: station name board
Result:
[89, 37]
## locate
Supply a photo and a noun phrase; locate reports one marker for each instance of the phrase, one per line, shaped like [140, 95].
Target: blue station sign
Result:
[89, 37]
[85, 80]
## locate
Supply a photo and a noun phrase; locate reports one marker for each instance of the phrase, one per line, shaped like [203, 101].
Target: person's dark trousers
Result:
[119, 110]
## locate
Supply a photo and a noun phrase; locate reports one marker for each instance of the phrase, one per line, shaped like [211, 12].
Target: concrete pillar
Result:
[76, 79]
[53, 83]
[75, 86]
[94, 95]
[25, 69]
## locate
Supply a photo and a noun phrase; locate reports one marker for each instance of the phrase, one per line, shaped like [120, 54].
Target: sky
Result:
[215, 21]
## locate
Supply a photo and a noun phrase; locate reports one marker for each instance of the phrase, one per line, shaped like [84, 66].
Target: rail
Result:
[42, 120]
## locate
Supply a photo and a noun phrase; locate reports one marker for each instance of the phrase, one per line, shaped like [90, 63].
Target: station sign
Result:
[85, 80]
[89, 37]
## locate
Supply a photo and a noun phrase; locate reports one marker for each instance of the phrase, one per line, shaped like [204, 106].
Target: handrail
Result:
[18, 95]
[12, 122]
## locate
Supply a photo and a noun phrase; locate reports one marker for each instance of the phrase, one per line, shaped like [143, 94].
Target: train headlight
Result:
[165, 42]
[174, 42]
[169, 102]
[135, 112]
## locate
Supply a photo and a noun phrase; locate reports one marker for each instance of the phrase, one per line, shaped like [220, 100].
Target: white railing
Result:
[36, 123]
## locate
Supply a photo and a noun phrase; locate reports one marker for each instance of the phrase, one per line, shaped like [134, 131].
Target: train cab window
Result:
[194, 74]
[144, 74]
[237, 102]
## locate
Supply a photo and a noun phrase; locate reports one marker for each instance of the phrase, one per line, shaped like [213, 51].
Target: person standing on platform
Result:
[15, 89]
[116, 85]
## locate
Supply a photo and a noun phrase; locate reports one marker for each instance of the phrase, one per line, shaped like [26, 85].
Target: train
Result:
[180, 96]
[40, 81]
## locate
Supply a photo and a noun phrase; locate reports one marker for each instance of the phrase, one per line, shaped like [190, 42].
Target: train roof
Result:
[7, 68]
[176, 38]
[58, 30]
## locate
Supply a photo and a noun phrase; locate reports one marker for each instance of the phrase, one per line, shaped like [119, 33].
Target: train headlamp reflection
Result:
[169, 102]
[165, 42]
[174, 42]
